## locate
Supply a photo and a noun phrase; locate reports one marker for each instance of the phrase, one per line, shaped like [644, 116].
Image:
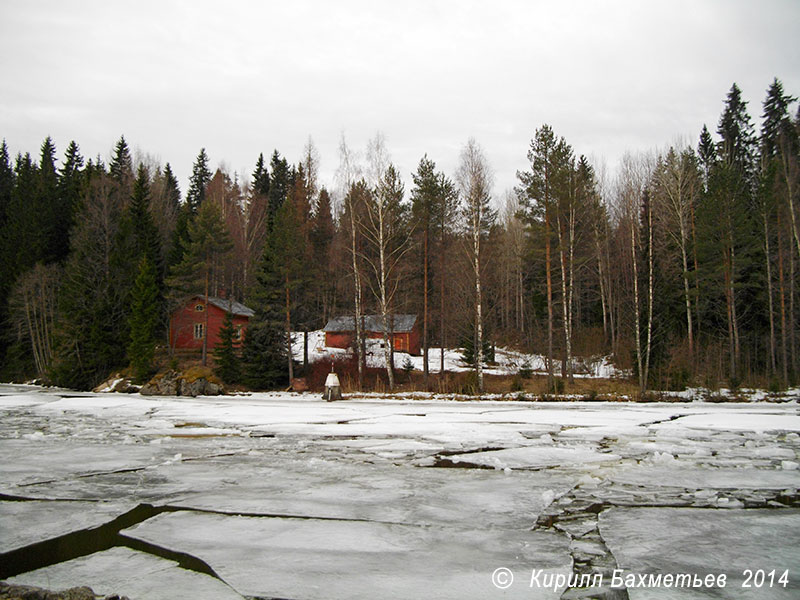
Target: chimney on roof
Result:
[222, 293]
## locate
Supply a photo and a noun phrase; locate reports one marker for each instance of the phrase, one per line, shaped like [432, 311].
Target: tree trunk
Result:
[792, 338]
[565, 355]
[476, 243]
[782, 288]
[305, 352]
[636, 315]
[289, 330]
[205, 325]
[425, 309]
[442, 335]
[600, 278]
[650, 290]
[770, 303]
[687, 300]
[696, 273]
[356, 300]
[729, 313]
[550, 377]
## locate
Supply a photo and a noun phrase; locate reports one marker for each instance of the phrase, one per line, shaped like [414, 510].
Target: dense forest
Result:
[683, 265]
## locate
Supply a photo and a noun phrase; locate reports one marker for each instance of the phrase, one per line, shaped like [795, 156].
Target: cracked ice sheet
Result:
[704, 541]
[25, 523]
[49, 457]
[331, 489]
[129, 573]
[328, 560]
[687, 477]
[533, 457]
[751, 420]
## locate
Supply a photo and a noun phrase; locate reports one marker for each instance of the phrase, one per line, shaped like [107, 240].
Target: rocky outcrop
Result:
[194, 382]
[26, 592]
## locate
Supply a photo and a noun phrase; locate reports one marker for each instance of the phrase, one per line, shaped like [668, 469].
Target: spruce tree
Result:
[6, 266]
[173, 188]
[264, 353]
[121, 171]
[776, 128]
[198, 182]
[279, 186]
[227, 360]
[261, 177]
[144, 320]
[322, 277]
[145, 239]
[70, 187]
[6, 182]
[209, 242]
[707, 153]
[94, 303]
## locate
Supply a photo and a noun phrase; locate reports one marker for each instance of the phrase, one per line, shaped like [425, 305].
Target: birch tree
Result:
[387, 241]
[475, 180]
[677, 186]
[354, 195]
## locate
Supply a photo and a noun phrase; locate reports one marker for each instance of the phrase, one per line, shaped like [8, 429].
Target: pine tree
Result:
[539, 192]
[228, 366]
[144, 320]
[423, 205]
[199, 180]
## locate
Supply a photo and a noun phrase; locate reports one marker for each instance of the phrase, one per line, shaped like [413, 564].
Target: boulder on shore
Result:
[117, 383]
[196, 381]
[34, 593]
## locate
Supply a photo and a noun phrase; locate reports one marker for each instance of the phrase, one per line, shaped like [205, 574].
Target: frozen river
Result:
[286, 496]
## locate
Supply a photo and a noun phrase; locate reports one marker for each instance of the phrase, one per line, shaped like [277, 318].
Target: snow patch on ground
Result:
[507, 362]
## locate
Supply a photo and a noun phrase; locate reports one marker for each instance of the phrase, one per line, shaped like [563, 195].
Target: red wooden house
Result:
[187, 322]
[404, 332]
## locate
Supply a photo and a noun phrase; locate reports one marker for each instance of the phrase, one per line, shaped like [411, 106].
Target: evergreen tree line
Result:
[682, 266]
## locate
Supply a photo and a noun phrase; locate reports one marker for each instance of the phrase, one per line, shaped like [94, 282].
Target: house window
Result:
[237, 333]
[199, 308]
[198, 331]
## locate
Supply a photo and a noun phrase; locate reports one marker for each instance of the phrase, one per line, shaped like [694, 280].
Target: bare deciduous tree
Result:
[32, 306]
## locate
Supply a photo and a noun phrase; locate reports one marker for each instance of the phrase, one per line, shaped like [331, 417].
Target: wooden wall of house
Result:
[183, 320]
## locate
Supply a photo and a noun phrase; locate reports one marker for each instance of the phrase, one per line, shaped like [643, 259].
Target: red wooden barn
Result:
[340, 332]
[187, 322]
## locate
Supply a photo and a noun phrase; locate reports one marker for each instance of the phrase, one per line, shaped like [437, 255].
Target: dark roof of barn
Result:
[373, 323]
[236, 308]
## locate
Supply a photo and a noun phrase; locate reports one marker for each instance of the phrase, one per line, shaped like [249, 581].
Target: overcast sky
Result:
[240, 78]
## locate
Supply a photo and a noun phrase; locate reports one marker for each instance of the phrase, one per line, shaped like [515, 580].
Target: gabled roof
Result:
[236, 308]
[372, 323]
